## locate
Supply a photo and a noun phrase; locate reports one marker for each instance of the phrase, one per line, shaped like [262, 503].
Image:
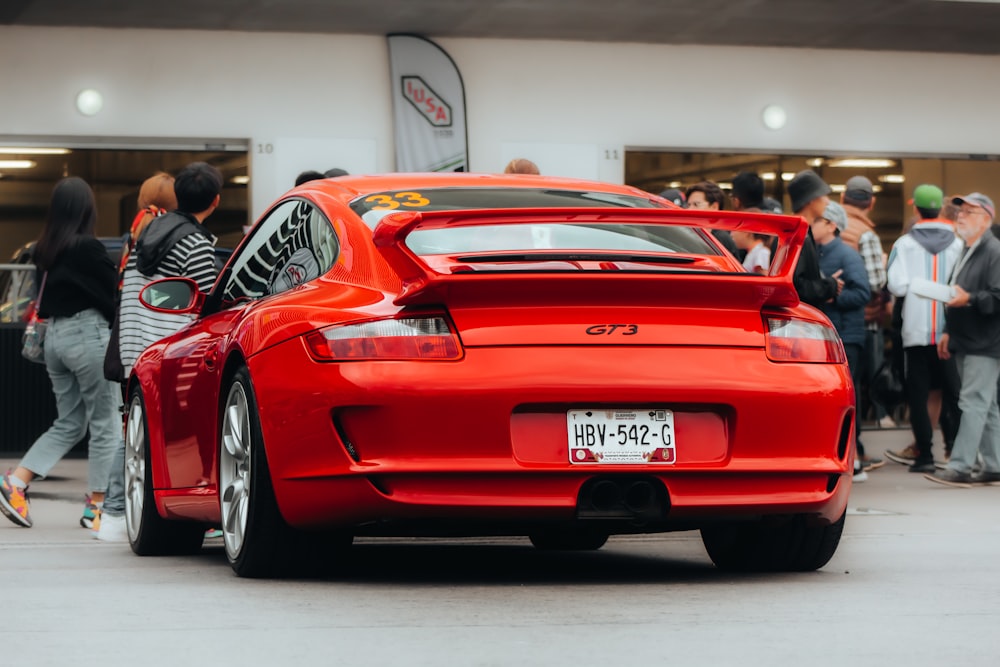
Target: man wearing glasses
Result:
[972, 334]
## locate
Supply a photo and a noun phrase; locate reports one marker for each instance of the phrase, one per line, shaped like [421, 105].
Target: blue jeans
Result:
[74, 358]
[114, 502]
[979, 428]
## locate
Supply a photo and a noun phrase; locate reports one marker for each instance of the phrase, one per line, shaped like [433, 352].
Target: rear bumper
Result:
[694, 499]
[485, 438]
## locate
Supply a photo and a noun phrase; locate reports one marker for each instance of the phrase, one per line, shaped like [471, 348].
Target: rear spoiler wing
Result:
[421, 284]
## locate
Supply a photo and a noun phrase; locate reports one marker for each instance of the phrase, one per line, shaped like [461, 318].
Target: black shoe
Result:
[923, 466]
[987, 478]
[949, 477]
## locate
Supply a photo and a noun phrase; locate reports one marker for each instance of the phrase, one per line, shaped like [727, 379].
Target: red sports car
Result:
[463, 354]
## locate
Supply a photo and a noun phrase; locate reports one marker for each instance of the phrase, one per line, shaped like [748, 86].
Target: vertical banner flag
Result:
[428, 106]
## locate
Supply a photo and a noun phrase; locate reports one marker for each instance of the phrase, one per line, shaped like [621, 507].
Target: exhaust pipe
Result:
[633, 498]
[639, 497]
[606, 496]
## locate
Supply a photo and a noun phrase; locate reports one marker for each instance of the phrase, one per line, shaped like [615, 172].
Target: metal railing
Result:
[17, 289]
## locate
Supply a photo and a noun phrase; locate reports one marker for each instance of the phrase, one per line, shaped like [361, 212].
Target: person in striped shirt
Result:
[175, 244]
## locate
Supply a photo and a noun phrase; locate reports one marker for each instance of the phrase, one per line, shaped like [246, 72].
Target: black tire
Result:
[572, 538]
[794, 544]
[149, 533]
[258, 541]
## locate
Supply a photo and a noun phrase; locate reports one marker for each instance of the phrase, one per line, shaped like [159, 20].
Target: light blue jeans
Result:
[979, 428]
[74, 358]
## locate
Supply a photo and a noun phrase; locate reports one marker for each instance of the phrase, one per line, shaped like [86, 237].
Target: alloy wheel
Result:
[135, 467]
[235, 468]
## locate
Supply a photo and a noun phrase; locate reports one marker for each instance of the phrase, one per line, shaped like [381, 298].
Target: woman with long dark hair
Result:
[77, 299]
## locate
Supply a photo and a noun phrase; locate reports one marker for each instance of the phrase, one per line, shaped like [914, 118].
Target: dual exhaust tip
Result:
[641, 499]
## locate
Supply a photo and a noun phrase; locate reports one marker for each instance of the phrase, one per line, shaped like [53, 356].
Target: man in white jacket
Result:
[921, 262]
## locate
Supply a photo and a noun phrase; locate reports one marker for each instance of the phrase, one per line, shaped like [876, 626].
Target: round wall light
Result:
[89, 102]
[774, 117]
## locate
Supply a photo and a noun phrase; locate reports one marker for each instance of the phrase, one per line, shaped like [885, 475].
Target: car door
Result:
[291, 244]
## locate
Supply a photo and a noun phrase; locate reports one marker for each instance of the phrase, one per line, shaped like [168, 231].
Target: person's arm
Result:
[199, 262]
[856, 292]
[987, 301]
[811, 286]
[897, 275]
[98, 276]
[871, 252]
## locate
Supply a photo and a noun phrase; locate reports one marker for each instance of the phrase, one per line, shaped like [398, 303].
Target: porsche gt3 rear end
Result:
[568, 375]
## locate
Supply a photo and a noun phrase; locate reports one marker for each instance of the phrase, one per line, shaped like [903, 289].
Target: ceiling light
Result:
[814, 162]
[773, 117]
[892, 178]
[838, 188]
[768, 176]
[89, 102]
[876, 188]
[16, 164]
[674, 184]
[863, 163]
[240, 180]
[31, 150]
[787, 175]
[724, 185]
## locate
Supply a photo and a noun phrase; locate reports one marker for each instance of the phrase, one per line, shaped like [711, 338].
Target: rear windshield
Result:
[507, 237]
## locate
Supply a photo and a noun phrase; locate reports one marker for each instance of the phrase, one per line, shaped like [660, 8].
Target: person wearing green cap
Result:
[927, 253]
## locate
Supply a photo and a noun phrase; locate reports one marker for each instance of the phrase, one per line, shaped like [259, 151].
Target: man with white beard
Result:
[972, 334]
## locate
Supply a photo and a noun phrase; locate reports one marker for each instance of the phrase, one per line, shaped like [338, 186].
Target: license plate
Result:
[621, 436]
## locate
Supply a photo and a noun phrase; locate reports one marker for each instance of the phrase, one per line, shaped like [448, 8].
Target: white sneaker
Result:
[860, 476]
[112, 529]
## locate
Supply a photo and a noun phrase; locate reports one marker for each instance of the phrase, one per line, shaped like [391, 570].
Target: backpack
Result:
[114, 370]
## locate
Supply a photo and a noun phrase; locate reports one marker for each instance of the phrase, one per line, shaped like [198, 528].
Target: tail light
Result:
[404, 338]
[789, 339]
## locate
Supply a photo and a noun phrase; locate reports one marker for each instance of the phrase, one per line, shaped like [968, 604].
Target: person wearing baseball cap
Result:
[674, 196]
[858, 200]
[847, 309]
[972, 336]
[976, 199]
[809, 195]
[928, 252]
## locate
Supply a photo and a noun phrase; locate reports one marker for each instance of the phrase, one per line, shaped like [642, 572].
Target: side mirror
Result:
[172, 295]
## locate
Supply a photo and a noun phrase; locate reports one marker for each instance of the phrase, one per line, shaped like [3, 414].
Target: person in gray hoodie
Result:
[927, 253]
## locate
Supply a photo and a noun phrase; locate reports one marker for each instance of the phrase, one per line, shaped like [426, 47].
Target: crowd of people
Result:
[97, 327]
[935, 296]
[941, 282]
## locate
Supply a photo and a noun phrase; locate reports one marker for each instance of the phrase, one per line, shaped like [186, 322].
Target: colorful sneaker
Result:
[91, 515]
[14, 502]
[213, 533]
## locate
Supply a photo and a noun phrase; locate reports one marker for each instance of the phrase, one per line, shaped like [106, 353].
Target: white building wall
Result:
[305, 101]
